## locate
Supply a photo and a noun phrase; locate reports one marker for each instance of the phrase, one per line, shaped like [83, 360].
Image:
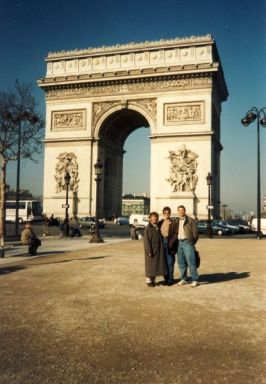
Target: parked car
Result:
[228, 224]
[242, 224]
[141, 220]
[123, 220]
[89, 222]
[216, 228]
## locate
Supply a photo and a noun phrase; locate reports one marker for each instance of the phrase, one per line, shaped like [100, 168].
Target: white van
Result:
[142, 220]
[254, 225]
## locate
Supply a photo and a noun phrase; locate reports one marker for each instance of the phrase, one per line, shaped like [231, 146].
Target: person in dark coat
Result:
[154, 252]
[29, 238]
[169, 230]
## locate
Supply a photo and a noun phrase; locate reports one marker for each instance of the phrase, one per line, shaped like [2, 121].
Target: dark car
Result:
[216, 228]
[89, 222]
[123, 220]
[229, 224]
[243, 225]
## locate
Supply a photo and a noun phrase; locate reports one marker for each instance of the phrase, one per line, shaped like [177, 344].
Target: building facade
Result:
[135, 204]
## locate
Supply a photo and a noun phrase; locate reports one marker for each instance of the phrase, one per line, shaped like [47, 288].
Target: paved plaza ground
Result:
[87, 317]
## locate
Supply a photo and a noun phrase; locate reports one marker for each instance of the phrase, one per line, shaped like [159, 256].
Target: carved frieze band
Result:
[72, 120]
[148, 85]
[99, 109]
[180, 113]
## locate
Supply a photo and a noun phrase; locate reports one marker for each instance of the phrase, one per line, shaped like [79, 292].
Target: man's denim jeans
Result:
[186, 259]
[170, 262]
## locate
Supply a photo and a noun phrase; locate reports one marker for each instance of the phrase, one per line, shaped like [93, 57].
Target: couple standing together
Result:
[163, 239]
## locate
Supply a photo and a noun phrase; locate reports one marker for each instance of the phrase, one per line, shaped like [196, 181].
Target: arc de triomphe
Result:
[96, 97]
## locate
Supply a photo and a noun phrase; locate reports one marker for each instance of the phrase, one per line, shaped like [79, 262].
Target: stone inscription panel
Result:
[71, 120]
[184, 113]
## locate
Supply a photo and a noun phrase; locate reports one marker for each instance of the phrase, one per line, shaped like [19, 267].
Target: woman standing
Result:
[154, 252]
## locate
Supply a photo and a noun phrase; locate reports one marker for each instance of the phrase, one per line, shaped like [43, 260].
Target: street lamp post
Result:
[67, 182]
[209, 227]
[96, 238]
[259, 115]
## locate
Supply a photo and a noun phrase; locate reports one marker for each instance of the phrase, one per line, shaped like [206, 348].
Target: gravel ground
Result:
[87, 317]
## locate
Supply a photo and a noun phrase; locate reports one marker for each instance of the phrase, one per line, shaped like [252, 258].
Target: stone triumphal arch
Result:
[96, 97]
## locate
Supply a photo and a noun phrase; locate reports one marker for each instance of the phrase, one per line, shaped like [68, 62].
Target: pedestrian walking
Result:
[134, 234]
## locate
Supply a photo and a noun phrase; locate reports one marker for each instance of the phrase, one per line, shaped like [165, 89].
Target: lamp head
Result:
[251, 116]
[98, 168]
[67, 178]
[245, 122]
[209, 179]
[263, 122]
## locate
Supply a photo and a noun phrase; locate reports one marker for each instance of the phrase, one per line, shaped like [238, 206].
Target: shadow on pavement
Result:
[221, 277]
[49, 253]
[69, 260]
[7, 270]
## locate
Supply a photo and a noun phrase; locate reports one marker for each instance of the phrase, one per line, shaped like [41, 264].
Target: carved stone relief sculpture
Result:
[184, 113]
[66, 162]
[68, 120]
[150, 105]
[183, 170]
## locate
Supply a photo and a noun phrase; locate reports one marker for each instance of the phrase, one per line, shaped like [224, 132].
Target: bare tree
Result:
[21, 132]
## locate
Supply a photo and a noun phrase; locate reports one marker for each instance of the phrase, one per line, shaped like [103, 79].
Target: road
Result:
[110, 230]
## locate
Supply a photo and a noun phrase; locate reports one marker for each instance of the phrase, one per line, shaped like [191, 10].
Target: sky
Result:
[30, 29]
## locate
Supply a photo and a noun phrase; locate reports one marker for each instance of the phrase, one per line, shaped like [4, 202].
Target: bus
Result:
[29, 210]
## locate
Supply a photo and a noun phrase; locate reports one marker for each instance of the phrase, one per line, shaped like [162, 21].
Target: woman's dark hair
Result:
[154, 214]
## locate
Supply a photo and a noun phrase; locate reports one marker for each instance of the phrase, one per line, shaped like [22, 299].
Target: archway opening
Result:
[113, 134]
[136, 167]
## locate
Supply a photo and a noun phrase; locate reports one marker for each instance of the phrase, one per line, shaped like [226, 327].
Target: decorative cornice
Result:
[129, 75]
[133, 46]
[180, 134]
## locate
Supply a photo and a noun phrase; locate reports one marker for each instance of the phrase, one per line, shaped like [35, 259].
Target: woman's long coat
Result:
[153, 245]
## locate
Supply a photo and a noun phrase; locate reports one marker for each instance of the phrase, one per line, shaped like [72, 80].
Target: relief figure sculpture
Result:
[183, 170]
[66, 162]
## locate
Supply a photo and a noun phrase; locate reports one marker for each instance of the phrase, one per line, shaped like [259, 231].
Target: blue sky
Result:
[30, 29]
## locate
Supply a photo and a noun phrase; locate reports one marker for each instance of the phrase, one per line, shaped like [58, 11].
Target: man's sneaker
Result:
[194, 284]
[182, 282]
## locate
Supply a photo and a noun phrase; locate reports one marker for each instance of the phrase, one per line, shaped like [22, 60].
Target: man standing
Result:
[187, 238]
[168, 229]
